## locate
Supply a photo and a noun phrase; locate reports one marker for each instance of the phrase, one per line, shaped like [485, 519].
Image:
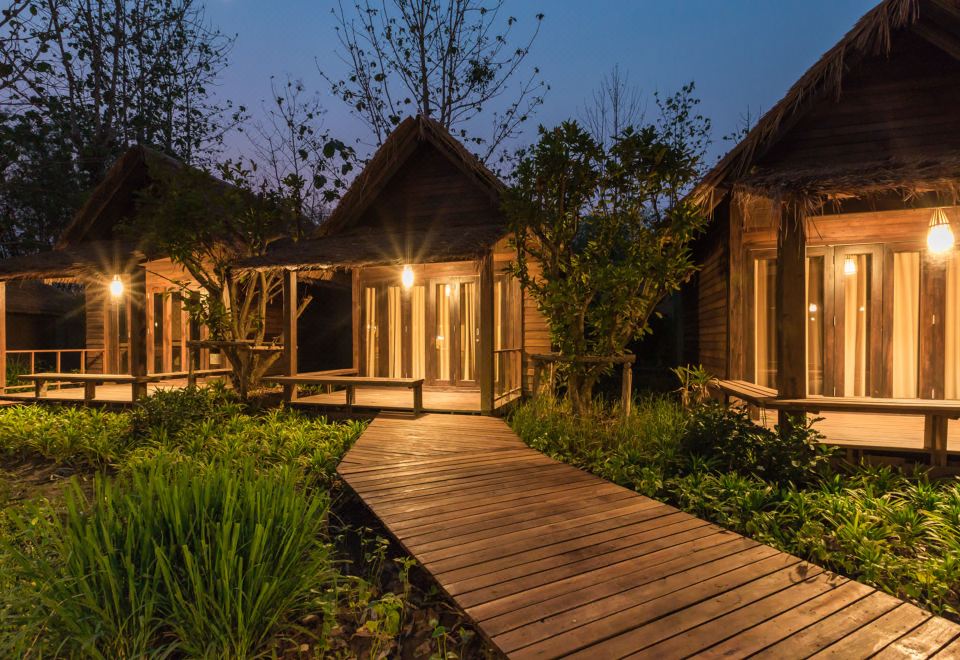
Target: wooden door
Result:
[454, 331]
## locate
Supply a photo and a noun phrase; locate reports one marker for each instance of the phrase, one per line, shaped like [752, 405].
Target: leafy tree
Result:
[609, 229]
[447, 60]
[85, 80]
[205, 224]
[297, 155]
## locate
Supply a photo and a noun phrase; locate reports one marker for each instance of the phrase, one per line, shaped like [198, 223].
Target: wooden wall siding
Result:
[905, 225]
[430, 191]
[708, 306]
[899, 106]
[536, 330]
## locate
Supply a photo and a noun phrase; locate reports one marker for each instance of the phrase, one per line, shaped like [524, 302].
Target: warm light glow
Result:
[116, 287]
[940, 236]
[446, 290]
[406, 278]
[849, 266]
[813, 308]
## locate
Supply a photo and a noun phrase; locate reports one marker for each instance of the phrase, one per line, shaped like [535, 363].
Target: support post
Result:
[626, 388]
[791, 306]
[3, 335]
[138, 331]
[290, 332]
[485, 365]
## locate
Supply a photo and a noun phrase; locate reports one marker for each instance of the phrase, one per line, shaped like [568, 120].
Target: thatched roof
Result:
[355, 250]
[86, 261]
[871, 36]
[343, 242]
[388, 159]
[114, 198]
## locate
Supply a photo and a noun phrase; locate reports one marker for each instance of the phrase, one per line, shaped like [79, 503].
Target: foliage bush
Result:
[207, 563]
[733, 442]
[899, 532]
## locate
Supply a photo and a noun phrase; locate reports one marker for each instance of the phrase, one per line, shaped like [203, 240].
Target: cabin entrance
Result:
[430, 330]
[873, 312]
[455, 331]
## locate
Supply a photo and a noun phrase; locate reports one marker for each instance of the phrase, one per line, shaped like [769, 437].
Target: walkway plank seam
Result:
[549, 561]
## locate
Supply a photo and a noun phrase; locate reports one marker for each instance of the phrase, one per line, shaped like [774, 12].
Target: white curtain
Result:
[952, 330]
[856, 320]
[395, 330]
[370, 332]
[765, 336]
[418, 338]
[442, 332]
[468, 331]
[906, 324]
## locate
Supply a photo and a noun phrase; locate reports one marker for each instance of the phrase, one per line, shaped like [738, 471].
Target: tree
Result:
[205, 224]
[615, 104]
[445, 60]
[297, 156]
[609, 228]
[92, 78]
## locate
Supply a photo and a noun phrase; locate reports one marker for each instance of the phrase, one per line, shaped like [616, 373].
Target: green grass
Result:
[204, 533]
[208, 563]
[899, 532]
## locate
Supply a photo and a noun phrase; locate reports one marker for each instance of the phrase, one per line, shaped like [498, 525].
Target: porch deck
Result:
[549, 561]
[107, 393]
[392, 399]
[875, 431]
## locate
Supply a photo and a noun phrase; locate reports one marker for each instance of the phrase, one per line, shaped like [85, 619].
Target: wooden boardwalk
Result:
[550, 561]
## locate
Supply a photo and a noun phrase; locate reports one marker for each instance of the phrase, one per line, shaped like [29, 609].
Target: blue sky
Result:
[740, 53]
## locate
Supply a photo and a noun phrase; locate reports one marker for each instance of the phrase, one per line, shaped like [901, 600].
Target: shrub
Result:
[210, 563]
[171, 411]
[729, 439]
[69, 435]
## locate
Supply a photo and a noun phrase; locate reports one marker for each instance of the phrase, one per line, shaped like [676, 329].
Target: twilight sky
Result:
[741, 53]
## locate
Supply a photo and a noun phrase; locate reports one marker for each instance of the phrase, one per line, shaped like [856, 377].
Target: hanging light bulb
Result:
[940, 235]
[406, 278]
[116, 286]
[849, 266]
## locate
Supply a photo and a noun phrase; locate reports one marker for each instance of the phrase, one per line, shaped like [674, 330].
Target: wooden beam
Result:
[290, 308]
[486, 356]
[151, 336]
[138, 330]
[791, 304]
[355, 318]
[738, 276]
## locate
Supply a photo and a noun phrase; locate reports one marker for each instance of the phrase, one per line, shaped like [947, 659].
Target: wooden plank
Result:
[923, 641]
[290, 339]
[138, 330]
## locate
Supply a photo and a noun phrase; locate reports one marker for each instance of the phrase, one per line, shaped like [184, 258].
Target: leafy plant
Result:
[210, 563]
[603, 231]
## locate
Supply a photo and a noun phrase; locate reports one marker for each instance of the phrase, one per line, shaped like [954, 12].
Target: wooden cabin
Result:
[830, 283]
[423, 241]
[135, 326]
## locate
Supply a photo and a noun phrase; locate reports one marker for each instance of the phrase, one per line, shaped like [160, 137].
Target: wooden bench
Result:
[350, 384]
[89, 381]
[757, 395]
[935, 413]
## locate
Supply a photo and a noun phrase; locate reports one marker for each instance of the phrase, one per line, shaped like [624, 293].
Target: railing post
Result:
[626, 385]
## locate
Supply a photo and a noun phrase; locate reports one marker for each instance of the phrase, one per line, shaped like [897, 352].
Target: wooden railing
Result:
[59, 360]
[507, 373]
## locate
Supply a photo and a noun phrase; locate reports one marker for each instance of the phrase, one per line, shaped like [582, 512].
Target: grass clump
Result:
[897, 531]
[208, 564]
